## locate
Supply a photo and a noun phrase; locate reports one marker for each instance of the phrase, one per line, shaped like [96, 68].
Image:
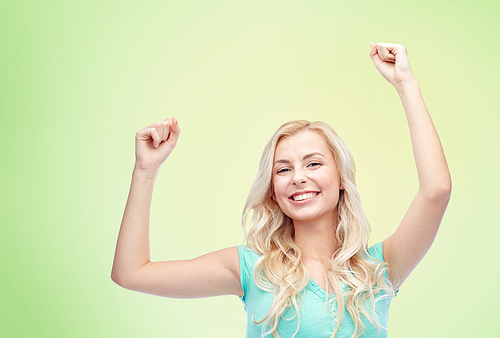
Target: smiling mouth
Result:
[304, 197]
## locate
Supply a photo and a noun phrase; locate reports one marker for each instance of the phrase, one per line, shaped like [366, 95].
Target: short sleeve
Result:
[377, 252]
[248, 258]
[242, 252]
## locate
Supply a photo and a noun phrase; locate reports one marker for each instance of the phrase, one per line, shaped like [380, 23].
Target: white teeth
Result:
[304, 196]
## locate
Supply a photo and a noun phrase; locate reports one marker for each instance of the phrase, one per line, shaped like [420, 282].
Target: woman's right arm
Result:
[213, 274]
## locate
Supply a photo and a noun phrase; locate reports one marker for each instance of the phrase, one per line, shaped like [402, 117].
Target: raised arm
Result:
[213, 274]
[408, 245]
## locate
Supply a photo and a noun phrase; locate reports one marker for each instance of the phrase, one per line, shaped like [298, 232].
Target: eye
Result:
[282, 170]
[314, 164]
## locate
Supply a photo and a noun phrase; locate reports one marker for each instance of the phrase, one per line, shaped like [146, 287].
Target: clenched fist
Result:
[392, 62]
[154, 144]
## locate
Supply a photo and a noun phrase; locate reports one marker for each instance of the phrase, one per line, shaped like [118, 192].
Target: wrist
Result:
[407, 84]
[145, 173]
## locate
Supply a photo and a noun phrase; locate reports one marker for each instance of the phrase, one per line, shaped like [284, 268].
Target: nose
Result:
[299, 178]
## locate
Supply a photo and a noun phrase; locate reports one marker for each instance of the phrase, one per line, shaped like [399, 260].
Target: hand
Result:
[154, 144]
[392, 62]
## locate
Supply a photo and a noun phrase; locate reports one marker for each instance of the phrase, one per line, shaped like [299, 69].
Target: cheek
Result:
[280, 190]
[280, 194]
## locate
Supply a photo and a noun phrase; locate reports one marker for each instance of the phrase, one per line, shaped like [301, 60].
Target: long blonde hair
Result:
[280, 269]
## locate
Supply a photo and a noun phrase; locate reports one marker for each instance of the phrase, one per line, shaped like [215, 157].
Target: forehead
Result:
[301, 144]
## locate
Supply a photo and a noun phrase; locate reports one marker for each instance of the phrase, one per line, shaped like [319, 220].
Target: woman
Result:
[307, 270]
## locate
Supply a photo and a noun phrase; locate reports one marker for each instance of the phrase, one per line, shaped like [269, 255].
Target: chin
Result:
[304, 218]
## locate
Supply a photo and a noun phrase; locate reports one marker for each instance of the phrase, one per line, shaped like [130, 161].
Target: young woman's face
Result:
[305, 178]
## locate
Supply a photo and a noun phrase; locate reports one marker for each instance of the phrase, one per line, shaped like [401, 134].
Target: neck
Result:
[317, 238]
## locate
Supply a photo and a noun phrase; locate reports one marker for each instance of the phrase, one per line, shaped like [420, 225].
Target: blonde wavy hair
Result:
[280, 269]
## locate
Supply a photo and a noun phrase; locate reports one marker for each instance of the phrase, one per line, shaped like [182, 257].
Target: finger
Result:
[146, 134]
[165, 128]
[374, 55]
[400, 54]
[389, 46]
[384, 50]
[155, 136]
[373, 49]
[174, 132]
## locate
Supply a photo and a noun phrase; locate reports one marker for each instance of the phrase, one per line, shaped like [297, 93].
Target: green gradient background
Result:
[78, 79]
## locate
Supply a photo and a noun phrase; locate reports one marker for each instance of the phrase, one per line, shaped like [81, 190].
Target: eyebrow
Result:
[304, 158]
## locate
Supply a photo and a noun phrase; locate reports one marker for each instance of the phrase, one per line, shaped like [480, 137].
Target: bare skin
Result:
[303, 163]
[413, 238]
[217, 273]
[213, 274]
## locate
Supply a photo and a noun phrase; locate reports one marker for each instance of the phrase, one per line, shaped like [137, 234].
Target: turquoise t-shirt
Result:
[315, 321]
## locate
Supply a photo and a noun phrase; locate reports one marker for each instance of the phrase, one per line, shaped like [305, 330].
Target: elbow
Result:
[119, 279]
[445, 189]
[115, 277]
[442, 195]
[439, 193]
[131, 278]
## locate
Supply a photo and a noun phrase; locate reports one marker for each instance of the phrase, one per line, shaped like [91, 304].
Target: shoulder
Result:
[248, 258]
[376, 251]
[376, 254]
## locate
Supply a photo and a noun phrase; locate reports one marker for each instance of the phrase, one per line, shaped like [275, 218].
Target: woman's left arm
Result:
[408, 245]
